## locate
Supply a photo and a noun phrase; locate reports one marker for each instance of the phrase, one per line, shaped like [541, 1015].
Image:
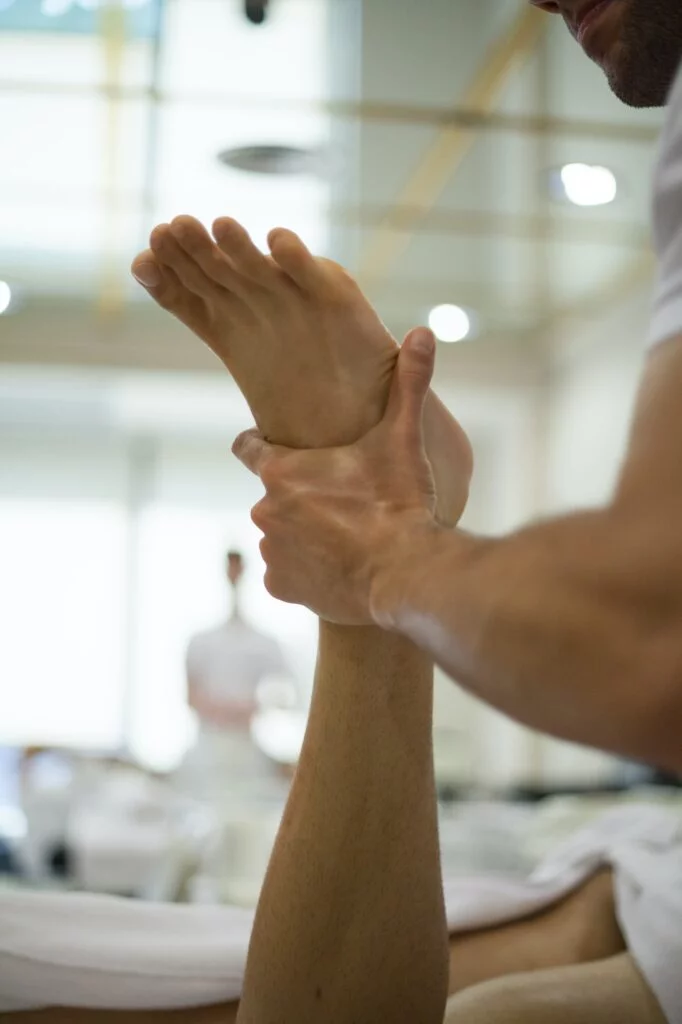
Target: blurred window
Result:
[62, 582]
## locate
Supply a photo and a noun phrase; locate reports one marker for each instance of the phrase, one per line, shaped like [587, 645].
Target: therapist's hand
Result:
[332, 518]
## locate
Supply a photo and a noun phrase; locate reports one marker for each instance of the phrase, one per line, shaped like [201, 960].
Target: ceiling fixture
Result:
[5, 296]
[450, 323]
[256, 11]
[272, 159]
[585, 184]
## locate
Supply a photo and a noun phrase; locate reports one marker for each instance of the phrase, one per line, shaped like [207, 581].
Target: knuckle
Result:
[272, 473]
[276, 586]
[259, 515]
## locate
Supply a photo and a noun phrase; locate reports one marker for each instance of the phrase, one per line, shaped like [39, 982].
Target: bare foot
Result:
[308, 351]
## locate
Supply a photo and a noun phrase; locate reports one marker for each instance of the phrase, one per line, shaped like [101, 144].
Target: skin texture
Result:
[638, 45]
[610, 992]
[590, 603]
[308, 351]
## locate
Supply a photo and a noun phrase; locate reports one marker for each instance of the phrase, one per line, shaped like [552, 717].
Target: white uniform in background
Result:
[225, 767]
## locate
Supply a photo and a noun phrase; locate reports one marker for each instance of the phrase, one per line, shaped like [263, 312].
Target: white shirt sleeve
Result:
[667, 315]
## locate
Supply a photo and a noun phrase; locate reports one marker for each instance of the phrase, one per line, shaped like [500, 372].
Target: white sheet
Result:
[103, 952]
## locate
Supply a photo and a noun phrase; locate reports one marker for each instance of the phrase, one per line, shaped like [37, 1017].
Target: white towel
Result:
[108, 953]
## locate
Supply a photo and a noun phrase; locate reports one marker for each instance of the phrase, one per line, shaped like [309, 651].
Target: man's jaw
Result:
[637, 43]
[584, 14]
[578, 14]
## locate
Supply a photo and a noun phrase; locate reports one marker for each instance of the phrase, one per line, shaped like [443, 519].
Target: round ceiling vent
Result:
[272, 159]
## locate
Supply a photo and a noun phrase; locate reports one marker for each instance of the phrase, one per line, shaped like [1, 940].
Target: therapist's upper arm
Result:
[649, 494]
[652, 470]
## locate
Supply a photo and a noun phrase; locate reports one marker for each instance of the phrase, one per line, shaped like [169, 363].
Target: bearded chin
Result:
[645, 64]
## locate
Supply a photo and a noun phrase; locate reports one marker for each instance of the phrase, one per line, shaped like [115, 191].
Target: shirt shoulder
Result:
[200, 646]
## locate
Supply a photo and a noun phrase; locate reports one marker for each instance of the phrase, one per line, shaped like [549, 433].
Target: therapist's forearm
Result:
[350, 927]
[562, 626]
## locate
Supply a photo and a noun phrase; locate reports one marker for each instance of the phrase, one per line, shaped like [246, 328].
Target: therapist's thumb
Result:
[411, 383]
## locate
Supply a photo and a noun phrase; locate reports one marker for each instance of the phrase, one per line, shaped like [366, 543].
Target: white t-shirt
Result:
[667, 318]
[229, 662]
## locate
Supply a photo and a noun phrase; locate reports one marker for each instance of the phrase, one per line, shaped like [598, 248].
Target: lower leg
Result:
[606, 992]
[580, 929]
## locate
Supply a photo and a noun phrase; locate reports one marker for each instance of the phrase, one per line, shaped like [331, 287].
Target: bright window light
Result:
[5, 296]
[450, 323]
[588, 185]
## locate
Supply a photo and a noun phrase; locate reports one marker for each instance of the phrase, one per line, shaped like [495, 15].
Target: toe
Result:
[146, 269]
[295, 259]
[170, 253]
[247, 259]
[168, 292]
[195, 241]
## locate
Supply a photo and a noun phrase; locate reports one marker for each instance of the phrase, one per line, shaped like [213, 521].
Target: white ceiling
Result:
[102, 135]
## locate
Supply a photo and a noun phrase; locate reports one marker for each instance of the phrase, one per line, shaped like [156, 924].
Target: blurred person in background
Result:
[225, 666]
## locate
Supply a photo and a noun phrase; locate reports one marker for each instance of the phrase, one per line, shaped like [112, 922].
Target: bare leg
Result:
[578, 930]
[350, 926]
[607, 992]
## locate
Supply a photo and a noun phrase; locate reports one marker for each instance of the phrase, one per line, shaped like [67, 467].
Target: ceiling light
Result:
[450, 323]
[5, 296]
[272, 159]
[588, 185]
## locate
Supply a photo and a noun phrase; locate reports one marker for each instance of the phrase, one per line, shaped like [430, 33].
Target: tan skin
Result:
[590, 601]
[579, 614]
